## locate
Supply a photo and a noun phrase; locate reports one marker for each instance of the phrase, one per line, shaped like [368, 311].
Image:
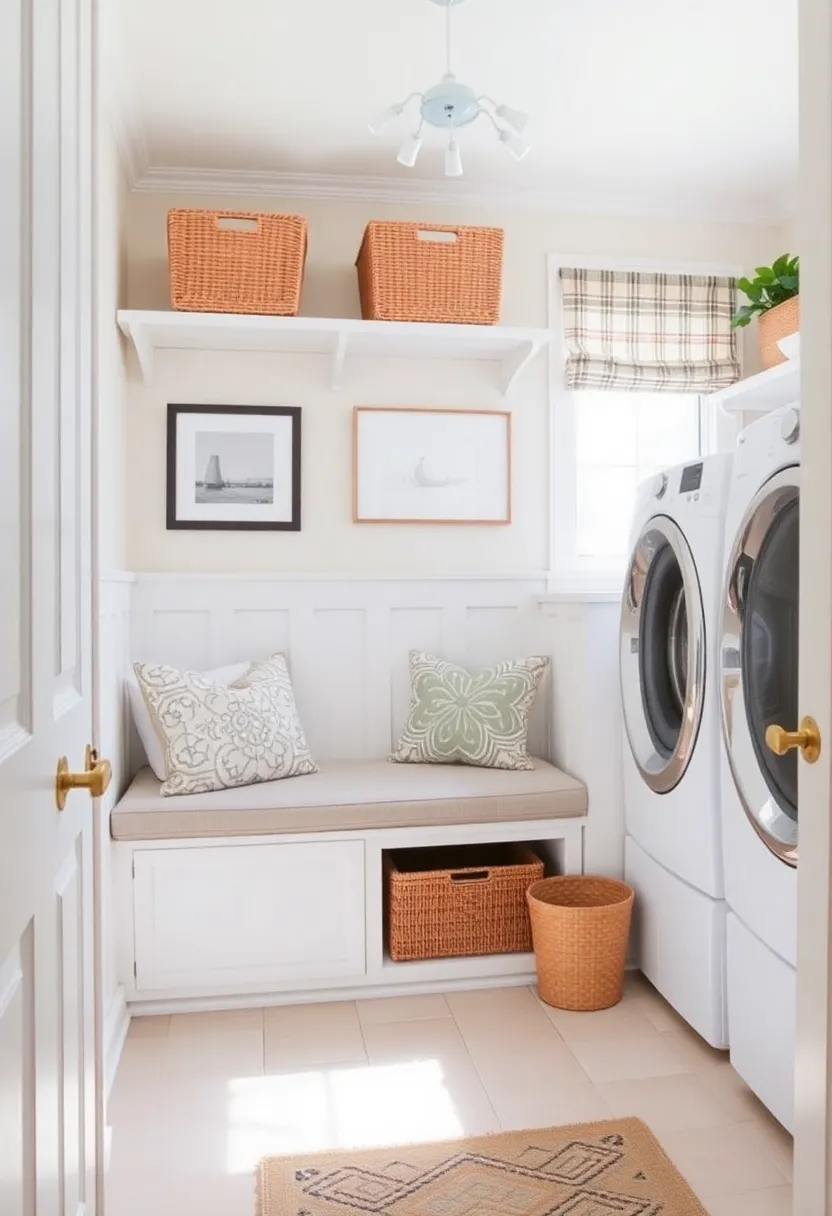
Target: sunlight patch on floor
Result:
[355, 1107]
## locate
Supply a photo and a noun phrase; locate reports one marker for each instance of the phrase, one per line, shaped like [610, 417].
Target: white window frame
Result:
[568, 573]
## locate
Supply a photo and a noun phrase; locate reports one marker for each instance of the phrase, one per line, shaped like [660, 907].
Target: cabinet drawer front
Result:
[232, 917]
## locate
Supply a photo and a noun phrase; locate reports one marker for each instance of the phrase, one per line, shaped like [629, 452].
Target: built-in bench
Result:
[273, 892]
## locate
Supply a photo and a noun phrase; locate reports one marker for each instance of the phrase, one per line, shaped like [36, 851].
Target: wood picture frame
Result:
[461, 466]
[225, 475]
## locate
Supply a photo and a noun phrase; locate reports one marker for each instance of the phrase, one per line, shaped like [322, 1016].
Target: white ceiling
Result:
[653, 106]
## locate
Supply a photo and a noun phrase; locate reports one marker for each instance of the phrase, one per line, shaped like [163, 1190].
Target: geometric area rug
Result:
[614, 1168]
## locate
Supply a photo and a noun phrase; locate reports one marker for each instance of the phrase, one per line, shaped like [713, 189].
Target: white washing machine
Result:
[670, 694]
[759, 661]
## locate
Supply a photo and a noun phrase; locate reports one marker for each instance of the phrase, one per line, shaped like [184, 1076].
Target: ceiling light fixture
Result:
[450, 105]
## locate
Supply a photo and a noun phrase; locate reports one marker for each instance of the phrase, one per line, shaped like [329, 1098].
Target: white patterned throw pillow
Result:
[218, 736]
[478, 717]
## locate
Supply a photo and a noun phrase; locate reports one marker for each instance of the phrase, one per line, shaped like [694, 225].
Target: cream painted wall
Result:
[789, 236]
[329, 541]
[112, 221]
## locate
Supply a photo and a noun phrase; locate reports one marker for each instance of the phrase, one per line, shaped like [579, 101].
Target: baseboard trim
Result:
[116, 1025]
[258, 1000]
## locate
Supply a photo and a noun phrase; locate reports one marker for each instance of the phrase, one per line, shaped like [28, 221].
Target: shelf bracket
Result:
[144, 351]
[339, 356]
[514, 363]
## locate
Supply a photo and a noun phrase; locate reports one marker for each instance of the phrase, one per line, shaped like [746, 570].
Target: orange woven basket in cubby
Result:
[430, 272]
[236, 261]
[444, 903]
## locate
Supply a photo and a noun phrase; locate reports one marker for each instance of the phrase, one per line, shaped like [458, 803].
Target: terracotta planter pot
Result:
[775, 324]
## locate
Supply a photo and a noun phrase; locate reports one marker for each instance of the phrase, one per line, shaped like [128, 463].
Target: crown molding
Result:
[336, 187]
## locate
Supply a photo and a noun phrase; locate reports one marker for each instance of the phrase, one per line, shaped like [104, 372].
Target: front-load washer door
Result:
[662, 654]
[759, 658]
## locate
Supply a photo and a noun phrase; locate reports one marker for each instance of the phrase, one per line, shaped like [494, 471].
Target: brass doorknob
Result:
[96, 777]
[807, 738]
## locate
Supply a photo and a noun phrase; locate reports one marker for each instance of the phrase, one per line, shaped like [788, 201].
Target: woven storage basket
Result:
[580, 926]
[471, 901]
[236, 261]
[775, 324]
[430, 272]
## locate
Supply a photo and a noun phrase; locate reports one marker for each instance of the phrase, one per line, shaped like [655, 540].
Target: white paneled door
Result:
[47, 1073]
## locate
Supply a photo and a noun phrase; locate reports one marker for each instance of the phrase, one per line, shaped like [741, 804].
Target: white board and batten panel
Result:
[587, 730]
[346, 640]
[228, 917]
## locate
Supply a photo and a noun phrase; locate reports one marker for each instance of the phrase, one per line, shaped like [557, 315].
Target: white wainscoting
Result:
[585, 719]
[346, 640]
[113, 735]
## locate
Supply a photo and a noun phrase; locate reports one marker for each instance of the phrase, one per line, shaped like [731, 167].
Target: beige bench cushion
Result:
[350, 795]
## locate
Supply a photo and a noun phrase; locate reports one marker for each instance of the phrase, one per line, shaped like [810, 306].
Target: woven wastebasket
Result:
[580, 927]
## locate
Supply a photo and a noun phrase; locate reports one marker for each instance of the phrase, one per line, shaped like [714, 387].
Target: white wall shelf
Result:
[764, 392]
[339, 339]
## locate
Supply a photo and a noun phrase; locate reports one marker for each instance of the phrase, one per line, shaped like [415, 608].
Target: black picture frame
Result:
[175, 411]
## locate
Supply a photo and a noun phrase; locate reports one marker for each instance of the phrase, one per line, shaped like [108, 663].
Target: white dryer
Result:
[759, 661]
[670, 694]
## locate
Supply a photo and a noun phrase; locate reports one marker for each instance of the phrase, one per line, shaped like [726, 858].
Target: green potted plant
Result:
[774, 295]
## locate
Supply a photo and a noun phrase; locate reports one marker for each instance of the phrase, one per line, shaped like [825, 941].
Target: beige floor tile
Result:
[630, 1051]
[700, 1055]
[213, 1046]
[186, 1136]
[547, 1104]
[149, 1027]
[433, 1061]
[675, 1103]
[605, 1024]
[723, 1160]
[780, 1142]
[640, 994]
[299, 1037]
[225, 1024]
[138, 1075]
[776, 1201]
[529, 1074]
[511, 1012]
[140, 1192]
[402, 1009]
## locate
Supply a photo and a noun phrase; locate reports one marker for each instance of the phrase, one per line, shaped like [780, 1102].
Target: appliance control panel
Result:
[700, 485]
[691, 478]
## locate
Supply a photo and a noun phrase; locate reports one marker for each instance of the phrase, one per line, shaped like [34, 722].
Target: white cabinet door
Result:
[222, 918]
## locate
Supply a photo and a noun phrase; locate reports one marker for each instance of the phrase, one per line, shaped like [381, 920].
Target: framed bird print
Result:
[431, 466]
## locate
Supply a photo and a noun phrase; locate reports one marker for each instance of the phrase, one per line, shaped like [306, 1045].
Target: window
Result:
[605, 443]
[621, 439]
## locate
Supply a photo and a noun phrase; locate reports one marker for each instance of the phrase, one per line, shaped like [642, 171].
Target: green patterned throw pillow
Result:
[469, 717]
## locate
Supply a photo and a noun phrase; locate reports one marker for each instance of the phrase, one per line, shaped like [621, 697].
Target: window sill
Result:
[586, 590]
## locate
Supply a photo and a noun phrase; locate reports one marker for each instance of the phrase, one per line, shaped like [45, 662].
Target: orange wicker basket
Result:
[470, 901]
[430, 272]
[581, 927]
[775, 324]
[236, 261]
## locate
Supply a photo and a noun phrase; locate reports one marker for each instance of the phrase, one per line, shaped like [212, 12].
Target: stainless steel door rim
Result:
[756, 640]
[662, 654]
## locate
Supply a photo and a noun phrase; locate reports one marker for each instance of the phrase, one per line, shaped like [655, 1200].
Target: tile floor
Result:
[199, 1098]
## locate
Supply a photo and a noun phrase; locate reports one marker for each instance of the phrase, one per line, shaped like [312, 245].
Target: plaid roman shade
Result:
[655, 332]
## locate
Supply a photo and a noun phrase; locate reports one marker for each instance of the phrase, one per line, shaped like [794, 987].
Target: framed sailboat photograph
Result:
[431, 466]
[234, 467]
